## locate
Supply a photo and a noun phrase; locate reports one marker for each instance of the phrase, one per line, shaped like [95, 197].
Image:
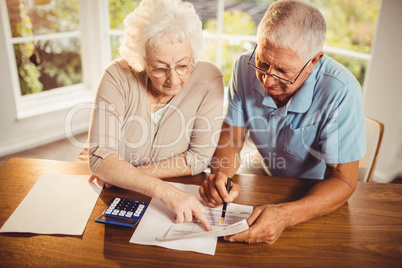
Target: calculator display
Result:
[123, 212]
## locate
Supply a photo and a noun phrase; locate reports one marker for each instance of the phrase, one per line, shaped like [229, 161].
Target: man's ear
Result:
[315, 60]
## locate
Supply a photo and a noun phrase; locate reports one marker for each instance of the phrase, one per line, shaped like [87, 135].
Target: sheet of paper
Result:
[235, 222]
[158, 220]
[234, 213]
[190, 230]
[56, 204]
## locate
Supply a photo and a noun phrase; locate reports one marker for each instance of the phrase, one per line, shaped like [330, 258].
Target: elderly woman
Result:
[158, 109]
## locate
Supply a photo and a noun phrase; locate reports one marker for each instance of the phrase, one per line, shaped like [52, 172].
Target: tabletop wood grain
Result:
[365, 232]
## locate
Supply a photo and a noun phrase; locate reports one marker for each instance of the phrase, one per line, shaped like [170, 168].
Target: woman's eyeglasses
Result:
[181, 69]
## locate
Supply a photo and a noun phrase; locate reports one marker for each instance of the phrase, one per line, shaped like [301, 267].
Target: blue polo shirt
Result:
[322, 124]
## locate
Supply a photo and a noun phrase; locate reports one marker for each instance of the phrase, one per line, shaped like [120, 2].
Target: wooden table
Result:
[365, 232]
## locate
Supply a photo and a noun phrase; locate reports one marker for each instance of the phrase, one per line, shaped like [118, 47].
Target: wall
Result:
[383, 89]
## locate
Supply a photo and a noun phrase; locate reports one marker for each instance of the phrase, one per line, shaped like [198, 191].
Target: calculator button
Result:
[115, 212]
[129, 209]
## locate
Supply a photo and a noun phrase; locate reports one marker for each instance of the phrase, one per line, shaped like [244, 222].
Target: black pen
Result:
[229, 181]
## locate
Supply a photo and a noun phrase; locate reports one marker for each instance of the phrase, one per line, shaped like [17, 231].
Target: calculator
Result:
[123, 212]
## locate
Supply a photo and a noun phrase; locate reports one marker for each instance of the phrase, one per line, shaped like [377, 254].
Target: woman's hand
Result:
[100, 182]
[185, 206]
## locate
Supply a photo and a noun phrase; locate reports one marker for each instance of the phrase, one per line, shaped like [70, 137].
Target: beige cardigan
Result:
[121, 121]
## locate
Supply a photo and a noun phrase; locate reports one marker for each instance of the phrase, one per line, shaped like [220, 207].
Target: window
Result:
[351, 26]
[231, 25]
[59, 48]
[46, 42]
[231, 30]
[118, 10]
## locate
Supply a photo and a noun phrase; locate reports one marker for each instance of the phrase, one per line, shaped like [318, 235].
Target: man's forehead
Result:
[267, 52]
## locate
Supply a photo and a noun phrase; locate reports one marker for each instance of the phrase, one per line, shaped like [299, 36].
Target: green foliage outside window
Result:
[45, 65]
[28, 73]
[236, 22]
[351, 25]
[118, 10]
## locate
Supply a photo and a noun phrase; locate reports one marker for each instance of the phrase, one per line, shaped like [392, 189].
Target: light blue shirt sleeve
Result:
[236, 113]
[343, 137]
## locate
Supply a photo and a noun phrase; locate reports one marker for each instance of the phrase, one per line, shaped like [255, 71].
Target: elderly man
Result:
[304, 113]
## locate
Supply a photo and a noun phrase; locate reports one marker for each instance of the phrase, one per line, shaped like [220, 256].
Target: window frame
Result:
[95, 35]
[91, 36]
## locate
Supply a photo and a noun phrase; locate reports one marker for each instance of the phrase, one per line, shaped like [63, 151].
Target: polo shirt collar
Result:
[267, 100]
[304, 96]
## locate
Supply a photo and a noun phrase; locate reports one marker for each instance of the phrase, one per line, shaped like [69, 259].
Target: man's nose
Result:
[268, 80]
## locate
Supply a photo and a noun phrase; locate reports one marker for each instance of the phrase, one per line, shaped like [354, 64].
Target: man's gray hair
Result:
[295, 25]
[154, 19]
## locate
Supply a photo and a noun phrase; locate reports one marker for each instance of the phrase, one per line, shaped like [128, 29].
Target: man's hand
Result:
[100, 181]
[184, 205]
[266, 225]
[213, 190]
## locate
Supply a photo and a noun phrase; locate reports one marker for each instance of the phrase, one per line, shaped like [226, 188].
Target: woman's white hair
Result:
[296, 25]
[154, 19]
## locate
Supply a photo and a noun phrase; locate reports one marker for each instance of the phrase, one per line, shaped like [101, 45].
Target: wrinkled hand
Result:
[266, 225]
[213, 190]
[185, 205]
[100, 181]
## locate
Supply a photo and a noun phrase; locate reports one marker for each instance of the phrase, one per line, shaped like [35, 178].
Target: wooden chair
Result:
[83, 156]
[374, 133]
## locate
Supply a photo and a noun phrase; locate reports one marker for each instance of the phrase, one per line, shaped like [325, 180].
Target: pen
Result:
[224, 203]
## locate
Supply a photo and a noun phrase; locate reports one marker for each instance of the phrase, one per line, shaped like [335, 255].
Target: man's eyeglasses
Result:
[283, 80]
[181, 69]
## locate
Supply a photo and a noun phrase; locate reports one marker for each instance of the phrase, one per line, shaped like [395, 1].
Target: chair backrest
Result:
[374, 133]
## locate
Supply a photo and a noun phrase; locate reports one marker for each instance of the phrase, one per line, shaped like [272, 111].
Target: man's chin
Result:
[274, 92]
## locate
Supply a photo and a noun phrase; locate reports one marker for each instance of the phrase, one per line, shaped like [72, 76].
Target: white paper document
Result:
[234, 213]
[56, 204]
[190, 230]
[235, 222]
[158, 221]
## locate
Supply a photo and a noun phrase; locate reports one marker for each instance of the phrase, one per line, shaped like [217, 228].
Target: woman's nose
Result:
[173, 76]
